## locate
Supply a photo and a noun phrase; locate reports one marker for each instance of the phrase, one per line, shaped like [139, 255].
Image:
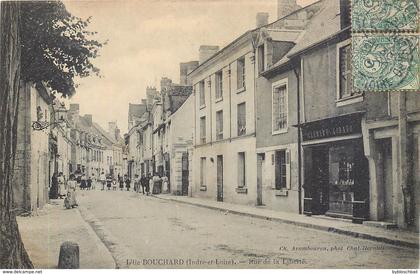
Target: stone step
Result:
[386, 225]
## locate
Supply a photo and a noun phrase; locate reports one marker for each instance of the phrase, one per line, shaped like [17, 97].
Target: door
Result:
[260, 162]
[320, 179]
[220, 178]
[185, 173]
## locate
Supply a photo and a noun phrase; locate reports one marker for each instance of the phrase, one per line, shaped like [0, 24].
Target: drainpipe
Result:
[299, 141]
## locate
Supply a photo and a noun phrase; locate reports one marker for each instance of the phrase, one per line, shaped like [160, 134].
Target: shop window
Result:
[219, 125]
[241, 119]
[241, 169]
[279, 107]
[241, 73]
[219, 85]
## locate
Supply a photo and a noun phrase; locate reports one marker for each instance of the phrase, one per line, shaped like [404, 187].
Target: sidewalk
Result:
[43, 233]
[394, 237]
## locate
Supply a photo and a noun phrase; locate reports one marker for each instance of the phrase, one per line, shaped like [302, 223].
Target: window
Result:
[219, 125]
[241, 119]
[241, 169]
[261, 56]
[345, 81]
[203, 129]
[202, 94]
[280, 169]
[241, 73]
[219, 85]
[279, 107]
[203, 171]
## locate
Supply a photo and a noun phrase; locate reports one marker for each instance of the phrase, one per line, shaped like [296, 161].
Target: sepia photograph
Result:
[209, 134]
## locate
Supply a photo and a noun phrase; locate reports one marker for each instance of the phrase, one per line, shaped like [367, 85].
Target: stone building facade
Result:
[32, 164]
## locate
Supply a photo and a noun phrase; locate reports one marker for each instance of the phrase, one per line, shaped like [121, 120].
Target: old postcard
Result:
[213, 134]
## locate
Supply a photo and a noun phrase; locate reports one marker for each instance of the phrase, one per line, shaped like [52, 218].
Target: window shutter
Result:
[288, 171]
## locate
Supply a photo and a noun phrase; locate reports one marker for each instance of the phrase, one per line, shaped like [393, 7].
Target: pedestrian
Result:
[89, 183]
[157, 184]
[61, 185]
[102, 179]
[94, 181]
[108, 181]
[54, 186]
[137, 184]
[143, 183]
[83, 182]
[127, 182]
[149, 184]
[121, 182]
[114, 184]
[70, 200]
[165, 184]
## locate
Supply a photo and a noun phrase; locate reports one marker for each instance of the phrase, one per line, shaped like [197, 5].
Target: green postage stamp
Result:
[385, 45]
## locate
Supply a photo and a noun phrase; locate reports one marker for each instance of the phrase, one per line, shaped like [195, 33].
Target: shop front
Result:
[336, 175]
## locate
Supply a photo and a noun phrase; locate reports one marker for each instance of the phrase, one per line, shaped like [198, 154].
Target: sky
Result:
[147, 39]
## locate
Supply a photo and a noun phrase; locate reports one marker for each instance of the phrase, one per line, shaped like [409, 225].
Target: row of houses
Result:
[276, 122]
[53, 139]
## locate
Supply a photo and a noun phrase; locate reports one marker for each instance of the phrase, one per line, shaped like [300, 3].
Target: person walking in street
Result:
[165, 184]
[70, 200]
[137, 183]
[149, 182]
[108, 181]
[157, 184]
[102, 179]
[114, 183]
[94, 181]
[61, 186]
[121, 182]
[83, 182]
[143, 183]
[127, 182]
[54, 186]
[89, 183]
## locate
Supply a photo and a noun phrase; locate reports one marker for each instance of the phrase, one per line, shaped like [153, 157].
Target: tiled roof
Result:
[176, 96]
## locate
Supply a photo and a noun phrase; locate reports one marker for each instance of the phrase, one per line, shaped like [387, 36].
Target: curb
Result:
[118, 254]
[353, 234]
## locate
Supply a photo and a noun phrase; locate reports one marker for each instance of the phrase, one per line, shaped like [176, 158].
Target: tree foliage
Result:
[56, 46]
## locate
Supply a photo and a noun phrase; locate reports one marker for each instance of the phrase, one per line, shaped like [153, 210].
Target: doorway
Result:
[260, 163]
[320, 180]
[385, 146]
[220, 178]
[185, 174]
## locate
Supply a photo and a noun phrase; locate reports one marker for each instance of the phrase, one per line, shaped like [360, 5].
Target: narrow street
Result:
[148, 228]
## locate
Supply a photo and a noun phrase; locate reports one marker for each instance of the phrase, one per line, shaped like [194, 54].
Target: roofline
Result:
[249, 32]
[293, 56]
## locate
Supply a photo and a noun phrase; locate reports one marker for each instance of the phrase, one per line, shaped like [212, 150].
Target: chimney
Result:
[206, 51]
[184, 70]
[165, 83]
[344, 13]
[262, 19]
[150, 94]
[74, 108]
[111, 127]
[285, 7]
[88, 118]
[117, 134]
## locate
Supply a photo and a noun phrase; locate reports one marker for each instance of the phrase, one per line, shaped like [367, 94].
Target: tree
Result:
[40, 42]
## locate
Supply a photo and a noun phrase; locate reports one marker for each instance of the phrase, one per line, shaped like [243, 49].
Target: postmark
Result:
[383, 62]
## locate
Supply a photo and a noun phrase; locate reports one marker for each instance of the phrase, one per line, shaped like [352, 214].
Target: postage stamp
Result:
[383, 62]
[385, 45]
[384, 15]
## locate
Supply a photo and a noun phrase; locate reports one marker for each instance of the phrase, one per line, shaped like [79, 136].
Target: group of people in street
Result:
[61, 188]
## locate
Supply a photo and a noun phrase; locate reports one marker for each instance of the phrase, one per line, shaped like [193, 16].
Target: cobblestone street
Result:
[154, 233]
